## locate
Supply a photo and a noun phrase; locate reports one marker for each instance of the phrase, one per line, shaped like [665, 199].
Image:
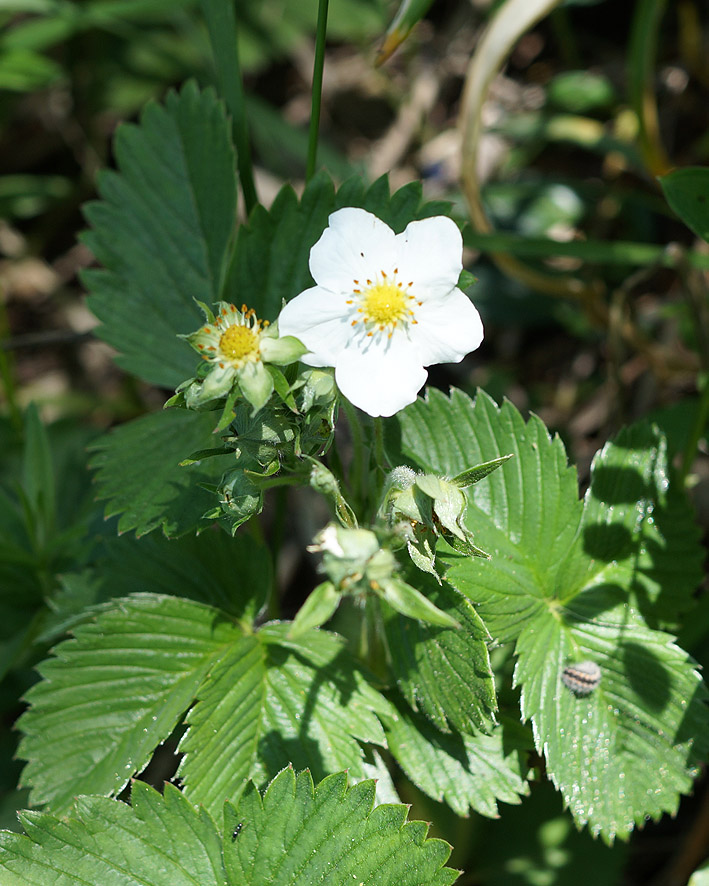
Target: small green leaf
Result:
[465, 771]
[317, 609]
[38, 480]
[412, 603]
[687, 192]
[476, 474]
[162, 231]
[139, 472]
[297, 835]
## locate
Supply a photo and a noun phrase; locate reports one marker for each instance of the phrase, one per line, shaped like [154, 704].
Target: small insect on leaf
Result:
[581, 678]
[237, 831]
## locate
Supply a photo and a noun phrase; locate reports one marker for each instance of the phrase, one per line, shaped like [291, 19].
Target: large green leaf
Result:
[113, 693]
[443, 672]
[140, 476]
[161, 231]
[296, 835]
[465, 771]
[571, 582]
[270, 701]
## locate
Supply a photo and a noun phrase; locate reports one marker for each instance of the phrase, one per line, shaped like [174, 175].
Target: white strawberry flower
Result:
[384, 307]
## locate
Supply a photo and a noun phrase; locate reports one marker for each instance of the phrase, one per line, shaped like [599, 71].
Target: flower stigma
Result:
[383, 304]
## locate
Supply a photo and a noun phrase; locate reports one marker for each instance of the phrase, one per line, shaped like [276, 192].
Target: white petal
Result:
[319, 319]
[431, 256]
[355, 246]
[381, 381]
[447, 329]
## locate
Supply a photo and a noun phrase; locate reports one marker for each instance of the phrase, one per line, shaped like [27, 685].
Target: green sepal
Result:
[474, 475]
[324, 481]
[256, 385]
[282, 351]
[228, 414]
[466, 280]
[317, 609]
[282, 387]
[201, 454]
[412, 603]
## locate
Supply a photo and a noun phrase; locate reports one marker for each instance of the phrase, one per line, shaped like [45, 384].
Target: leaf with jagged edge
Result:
[160, 841]
[117, 690]
[554, 587]
[108, 697]
[464, 771]
[162, 231]
[139, 475]
[298, 835]
[443, 672]
[295, 835]
[271, 700]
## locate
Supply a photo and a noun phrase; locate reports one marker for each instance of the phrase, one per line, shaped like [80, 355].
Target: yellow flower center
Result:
[383, 304]
[239, 344]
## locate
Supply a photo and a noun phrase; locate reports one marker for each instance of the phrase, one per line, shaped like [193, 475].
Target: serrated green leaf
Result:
[559, 583]
[444, 673]
[113, 693]
[465, 771]
[296, 835]
[161, 841]
[271, 700]
[139, 472]
[162, 231]
[638, 530]
[650, 706]
[270, 263]
[526, 514]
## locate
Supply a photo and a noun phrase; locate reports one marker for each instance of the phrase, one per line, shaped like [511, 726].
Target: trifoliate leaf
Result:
[444, 672]
[297, 835]
[113, 693]
[162, 230]
[465, 771]
[140, 475]
[559, 583]
[271, 700]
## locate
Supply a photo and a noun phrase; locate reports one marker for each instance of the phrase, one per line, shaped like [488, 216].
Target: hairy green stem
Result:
[223, 35]
[317, 89]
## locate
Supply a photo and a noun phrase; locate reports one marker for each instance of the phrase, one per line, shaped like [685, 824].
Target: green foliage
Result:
[444, 673]
[465, 771]
[161, 231]
[117, 690]
[558, 587]
[295, 835]
[687, 192]
[138, 471]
